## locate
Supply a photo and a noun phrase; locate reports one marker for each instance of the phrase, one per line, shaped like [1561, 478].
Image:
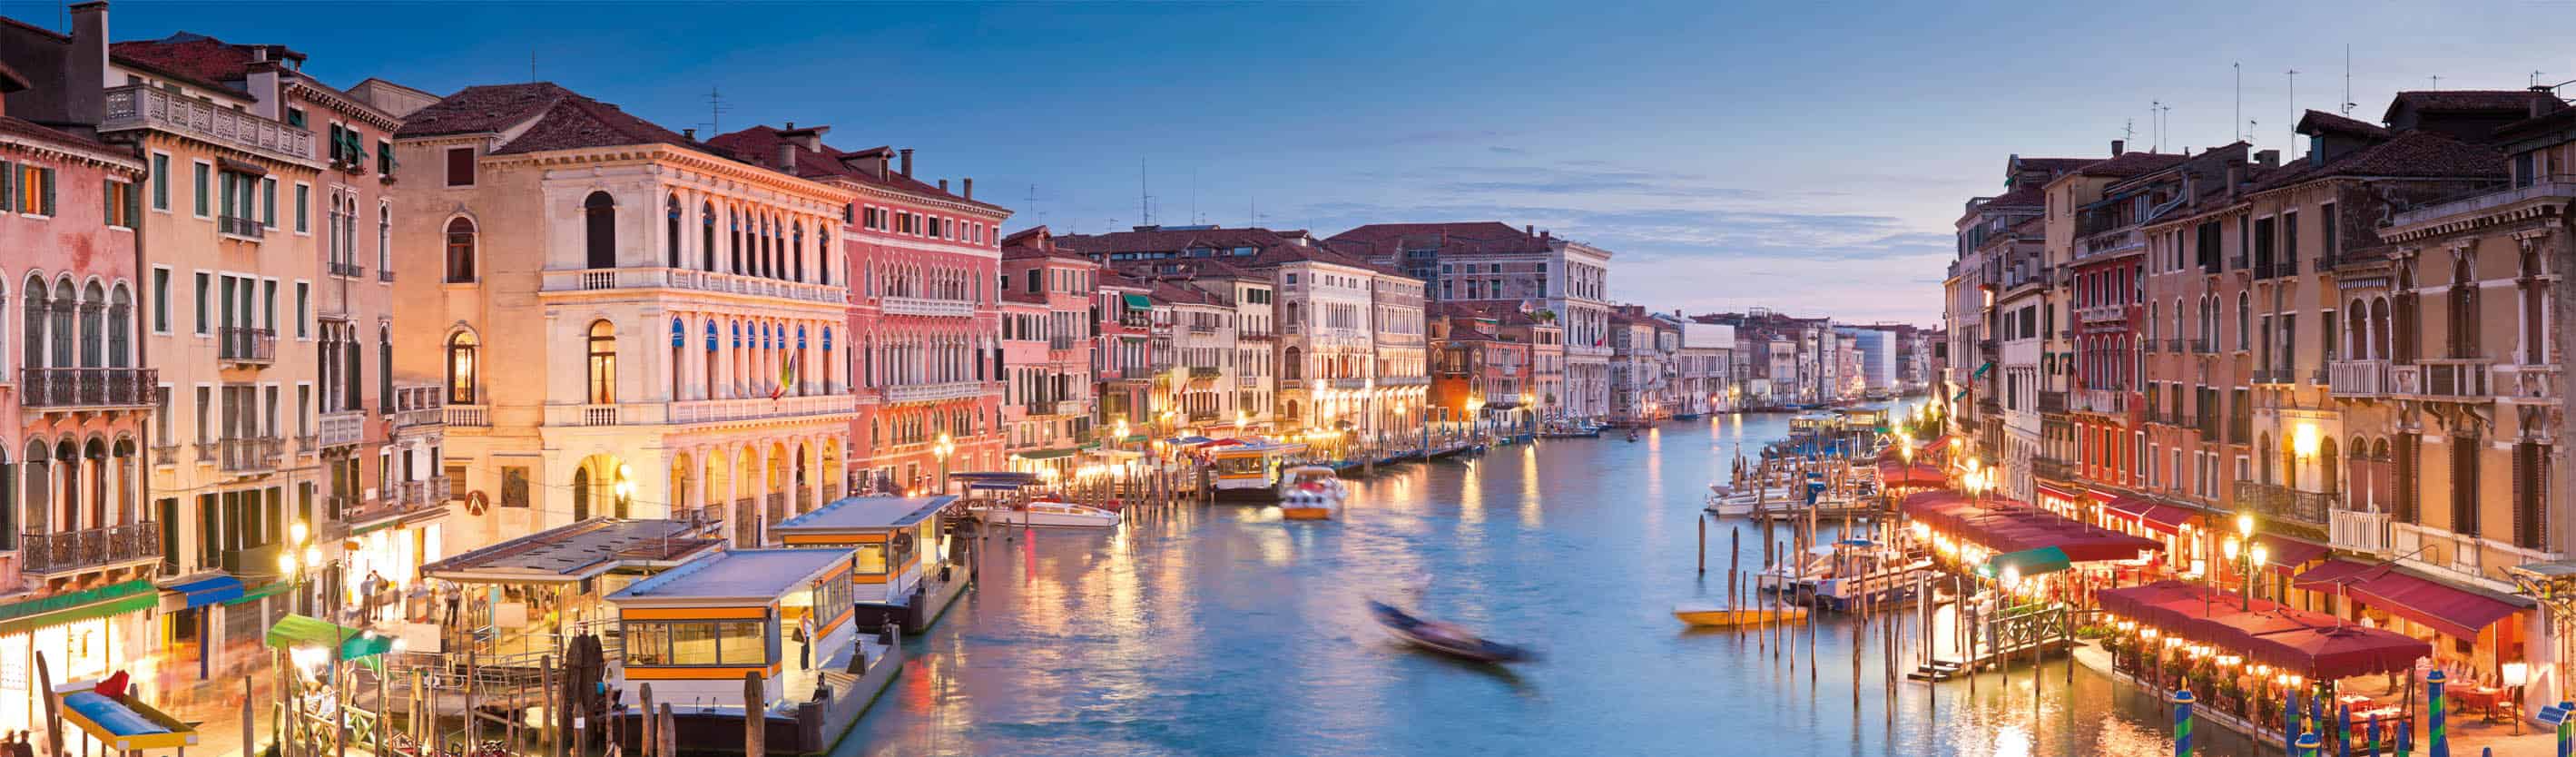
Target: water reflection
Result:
[1222, 630]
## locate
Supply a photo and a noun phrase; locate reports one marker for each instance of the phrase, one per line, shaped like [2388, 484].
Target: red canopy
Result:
[1895, 473]
[2165, 518]
[2313, 644]
[2008, 526]
[2285, 554]
[2445, 608]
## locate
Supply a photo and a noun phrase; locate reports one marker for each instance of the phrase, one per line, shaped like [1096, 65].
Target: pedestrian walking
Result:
[805, 642]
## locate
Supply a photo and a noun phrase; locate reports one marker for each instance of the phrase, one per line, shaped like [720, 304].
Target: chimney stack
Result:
[970, 187]
[85, 100]
[791, 126]
[2119, 146]
[907, 162]
[787, 157]
[2542, 101]
[690, 133]
[943, 185]
[2235, 177]
[1529, 229]
[2268, 158]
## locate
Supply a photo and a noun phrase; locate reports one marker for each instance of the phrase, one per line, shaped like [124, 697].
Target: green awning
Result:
[257, 593]
[14, 612]
[1046, 454]
[97, 608]
[354, 643]
[1137, 302]
[2026, 563]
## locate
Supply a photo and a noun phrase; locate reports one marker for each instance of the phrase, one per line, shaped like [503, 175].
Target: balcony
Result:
[2052, 402]
[251, 561]
[418, 405]
[1204, 372]
[2357, 378]
[2052, 469]
[2111, 243]
[613, 279]
[1399, 380]
[141, 106]
[88, 388]
[399, 499]
[343, 428]
[385, 275]
[2101, 401]
[2277, 502]
[2358, 531]
[249, 454]
[246, 228]
[243, 345]
[345, 269]
[2273, 376]
[934, 392]
[2453, 380]
[1348, 383]
[2532, 382]
[2203, 346]
[2438, 549]
[760, 408]
[468, 415]
[926, 307]
[89, 549]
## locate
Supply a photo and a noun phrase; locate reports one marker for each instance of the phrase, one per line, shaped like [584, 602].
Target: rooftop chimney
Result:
[690, 134]
[2119, 146]
[2543, 100]
[85, 101]
[787, 157]
[970, 187]
[2235, 177]
[2268, 158]
[1530, 229]
[943, 185]
[907, 162]
[791, 126]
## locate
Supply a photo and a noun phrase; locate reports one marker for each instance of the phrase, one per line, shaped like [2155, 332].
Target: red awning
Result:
[2009, 526]
[1891, 473]
[2144, 512]
[2449, 609]
[2285, 554]
[2313, 644]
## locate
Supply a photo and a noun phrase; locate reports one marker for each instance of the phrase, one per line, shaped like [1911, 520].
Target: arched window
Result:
[603, 362]
[39, 477]
[120, 328]
[460, 251]
[66, 300]
[599, 229]
[93, 326]
[8, 502]
[34, 343]
[385, 368]
[796, 251]
[461, 357]
[2244, 322]
[385, 238]
[733, 219]
[707, 234]
[671, 229]
[2464, 308]
[679, 357]
[581, 494]
[1290, 367]
[827, 359]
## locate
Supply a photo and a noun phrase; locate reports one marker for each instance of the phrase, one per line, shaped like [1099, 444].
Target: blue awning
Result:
[209, 590]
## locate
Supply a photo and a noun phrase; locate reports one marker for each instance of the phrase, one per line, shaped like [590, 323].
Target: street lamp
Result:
[2245, 531]
[624, 489]
[942, 450]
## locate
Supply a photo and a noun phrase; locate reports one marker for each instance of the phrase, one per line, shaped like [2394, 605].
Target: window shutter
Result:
[8, 192]
[48, 177]
[107, 199]
[133, 205]
[2523, 522]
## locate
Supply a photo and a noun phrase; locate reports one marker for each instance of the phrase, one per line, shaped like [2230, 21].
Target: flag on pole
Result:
[786, 377]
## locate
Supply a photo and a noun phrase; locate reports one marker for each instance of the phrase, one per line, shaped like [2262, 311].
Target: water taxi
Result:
[1702, 616]
[910, 565]
[1310, 492]
[1251, 470]
[1045, 513]
[1568, 430]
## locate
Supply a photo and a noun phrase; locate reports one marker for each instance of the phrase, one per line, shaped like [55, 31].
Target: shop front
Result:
[2478, 638]
[391, 554]
[82, 635]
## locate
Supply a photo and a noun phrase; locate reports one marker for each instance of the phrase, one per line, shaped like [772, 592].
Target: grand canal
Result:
[1223, 631]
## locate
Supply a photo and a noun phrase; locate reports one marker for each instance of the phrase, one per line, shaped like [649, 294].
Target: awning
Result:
[2008, 526]
[2159, 517]
[1137, 302]
[1046, 454]
[354, 643]
[2285, 554]
[207, 591]
[2312, 644]
[2026, 563]
[105, 601]
[2449, 609]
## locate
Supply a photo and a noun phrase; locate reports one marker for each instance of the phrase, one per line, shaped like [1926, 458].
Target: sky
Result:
[1808, 158]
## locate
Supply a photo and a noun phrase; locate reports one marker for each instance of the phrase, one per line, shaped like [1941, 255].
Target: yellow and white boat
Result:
[1310, 492]
[1701, 616]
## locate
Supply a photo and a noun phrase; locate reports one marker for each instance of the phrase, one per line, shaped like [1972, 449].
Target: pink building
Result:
[923, 308]
[1047, 394]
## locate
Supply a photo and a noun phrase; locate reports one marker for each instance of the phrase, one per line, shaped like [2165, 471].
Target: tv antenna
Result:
[716, 109]
[2239, 68]
[2437, 81]
[2294, 110]
[1032, 204]
[1144, 198]
[2348, 104]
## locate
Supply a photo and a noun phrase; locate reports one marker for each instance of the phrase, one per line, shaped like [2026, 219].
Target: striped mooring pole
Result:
[2290, 721]
[2374, 736]
[2343, 730]
[2437, 735]
[2306, 746]
[2182, 722]
[2567, 731]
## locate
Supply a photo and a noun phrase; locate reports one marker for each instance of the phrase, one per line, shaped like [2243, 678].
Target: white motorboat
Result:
[1310, 492]
[1727, 501]
[1047, 514]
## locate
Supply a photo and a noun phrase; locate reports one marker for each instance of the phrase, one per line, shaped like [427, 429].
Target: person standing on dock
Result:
[805, 642]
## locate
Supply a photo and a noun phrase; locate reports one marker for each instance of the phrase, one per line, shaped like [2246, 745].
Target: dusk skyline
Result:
[1748, 153]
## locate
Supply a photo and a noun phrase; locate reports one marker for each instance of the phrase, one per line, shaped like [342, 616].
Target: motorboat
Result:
[1703, 616]
[1728, 501]
[1569, 430]
[1310, 492]
[1444, 638]
[1046, 513]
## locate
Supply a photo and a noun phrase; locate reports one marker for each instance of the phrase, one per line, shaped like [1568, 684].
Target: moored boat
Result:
[1046, 514]
[1444, 638]
[1702, 616]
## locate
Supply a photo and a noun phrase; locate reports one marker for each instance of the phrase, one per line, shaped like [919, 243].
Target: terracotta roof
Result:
[2413, 154]
[759, 145]
[18, 127]
[2058, 165]
[2132, 164]
[1171, 240]
[1035, 243]
[1460, 238]
[2323, 122]
[2465, 100]
[10, 80]
[1173, 293]
[201, 56]
[2021, 197]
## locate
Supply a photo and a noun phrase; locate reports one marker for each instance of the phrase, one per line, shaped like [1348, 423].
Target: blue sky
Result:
[1808, 159]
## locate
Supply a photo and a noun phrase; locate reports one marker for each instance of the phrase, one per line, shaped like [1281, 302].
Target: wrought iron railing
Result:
[2276, 502]
[64, 388]
[244, 344]
[89, 548]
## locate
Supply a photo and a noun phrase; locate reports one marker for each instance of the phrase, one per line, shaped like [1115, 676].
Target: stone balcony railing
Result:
[923, 306]
[611, 279]
[142, 106]
[2442, 379]
[2438, 549]
[756, 408]
[2357, 531]
[468, 415]
[88, 388]
[89, 548]
[933, 392]
[2357, 378]
[249, 454]
[417, 405]
[2276, 502]
[2101, 401]
[2542, 382]
[343, 428]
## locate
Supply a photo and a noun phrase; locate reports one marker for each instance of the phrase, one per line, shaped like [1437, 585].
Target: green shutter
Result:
[268, 203]
[199, 171]
[8, 179]
[107, 199]
[49, 191]
[133, 206]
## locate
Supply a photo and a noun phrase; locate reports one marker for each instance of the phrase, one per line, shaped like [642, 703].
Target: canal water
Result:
[1222, 630]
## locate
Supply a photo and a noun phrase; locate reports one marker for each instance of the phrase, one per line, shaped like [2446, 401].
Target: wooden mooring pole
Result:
[755, 719]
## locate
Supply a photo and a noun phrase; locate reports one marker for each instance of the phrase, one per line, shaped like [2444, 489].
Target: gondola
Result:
[1444, 638]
